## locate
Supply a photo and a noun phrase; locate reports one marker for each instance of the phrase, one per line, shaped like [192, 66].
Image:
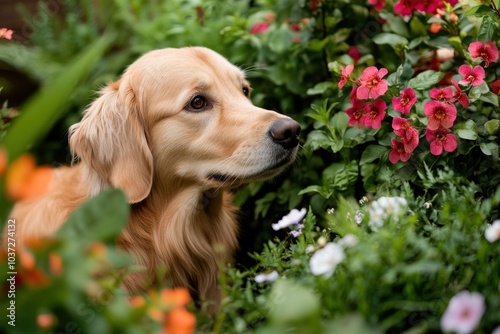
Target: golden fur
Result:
[175, 164]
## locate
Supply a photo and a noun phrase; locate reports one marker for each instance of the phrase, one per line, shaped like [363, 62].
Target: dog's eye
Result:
[198, 103]
[246, 91]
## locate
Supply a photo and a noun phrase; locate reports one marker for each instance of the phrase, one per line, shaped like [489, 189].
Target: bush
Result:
[399, 168]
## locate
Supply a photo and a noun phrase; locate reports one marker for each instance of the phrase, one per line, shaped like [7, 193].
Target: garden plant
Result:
[387, 223]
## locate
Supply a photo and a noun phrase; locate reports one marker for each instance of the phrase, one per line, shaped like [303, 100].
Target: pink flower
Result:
[6, 33]
[441, 138]
[459, 95]
[259, 28]
[474, 76]
[346, 73]
[408, 134]
[487, 52]
[404, 7]
[463, 313]
[374, 113]
[354, 53]
[356, 113]
[377, 4]
[444, 94]
[440, 113]
[428, 6]
[405, 102]
[372, 84]
[398, 152]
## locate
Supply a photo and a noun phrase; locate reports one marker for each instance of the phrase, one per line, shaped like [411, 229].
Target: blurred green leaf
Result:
[492, 126]
[44, 109]
[389, 38]
[101, 218]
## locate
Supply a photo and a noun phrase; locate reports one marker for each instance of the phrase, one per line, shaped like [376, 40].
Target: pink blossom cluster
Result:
[407, 7]
[369, 108]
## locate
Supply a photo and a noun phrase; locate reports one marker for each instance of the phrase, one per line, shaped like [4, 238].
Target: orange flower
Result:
[3, 161]
[137, 301]
[45, 321]
[24, 180]
[180, 321]
[435, 27]
[177, 297]
[55, 264]
[6, 33]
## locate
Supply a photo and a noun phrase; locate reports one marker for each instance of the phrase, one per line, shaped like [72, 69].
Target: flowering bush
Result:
[398, 102]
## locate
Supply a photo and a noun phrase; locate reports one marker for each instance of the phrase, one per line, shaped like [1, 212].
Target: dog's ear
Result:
[111, 141]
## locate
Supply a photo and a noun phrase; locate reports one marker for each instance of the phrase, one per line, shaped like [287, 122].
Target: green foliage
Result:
[400, 274]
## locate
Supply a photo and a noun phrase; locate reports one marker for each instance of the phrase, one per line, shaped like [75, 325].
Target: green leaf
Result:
[490, 97]
[101, 218]
[486, 29]
[492, 126]
[490, 148]
[479, 11]
[320, 88]
[467, 130]
[389, 38]
[372, 153]
[45, 108]
[318, 139]
[425, 80]
[291, 302]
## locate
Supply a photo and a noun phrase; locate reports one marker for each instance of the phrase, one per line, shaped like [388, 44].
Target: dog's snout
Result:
[285, 132]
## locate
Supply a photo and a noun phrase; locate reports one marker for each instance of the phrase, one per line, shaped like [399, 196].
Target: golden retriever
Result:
[175, 132]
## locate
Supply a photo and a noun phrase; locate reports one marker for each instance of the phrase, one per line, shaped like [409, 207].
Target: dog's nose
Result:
[285, 132]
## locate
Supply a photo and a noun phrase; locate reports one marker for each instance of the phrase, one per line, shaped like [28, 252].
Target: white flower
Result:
[384, 208]
[358, 217]
[294, 217]
[271, 277]
[492, 233]
[427, 205]
[496, 330]
[463, 313]
[349, 240]
[324, 261]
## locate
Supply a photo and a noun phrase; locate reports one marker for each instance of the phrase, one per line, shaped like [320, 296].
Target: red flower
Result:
[346, 73]
[259, 28]
[398, 152]
[444, 94]
[356, 113]
[374, 113]
[404, 7]
[406, 100]
[354, 53]
[440, 114]
[372, 84]
[474, 76]
[487, 52]
[408, 134]
[495, 86]
[377, 4]
[459, 95]
[440, 139]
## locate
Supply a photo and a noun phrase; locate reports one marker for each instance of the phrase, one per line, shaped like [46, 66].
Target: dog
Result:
[176, 133]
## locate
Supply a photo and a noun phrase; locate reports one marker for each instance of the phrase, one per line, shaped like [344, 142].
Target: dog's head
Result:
[181, 114]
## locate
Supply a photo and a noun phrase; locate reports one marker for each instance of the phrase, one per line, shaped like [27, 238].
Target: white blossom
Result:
[384, 208]
[324, 261]
[349, 240]
[492, 233]
[294, 217]
[272, 276]
[463, 313]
